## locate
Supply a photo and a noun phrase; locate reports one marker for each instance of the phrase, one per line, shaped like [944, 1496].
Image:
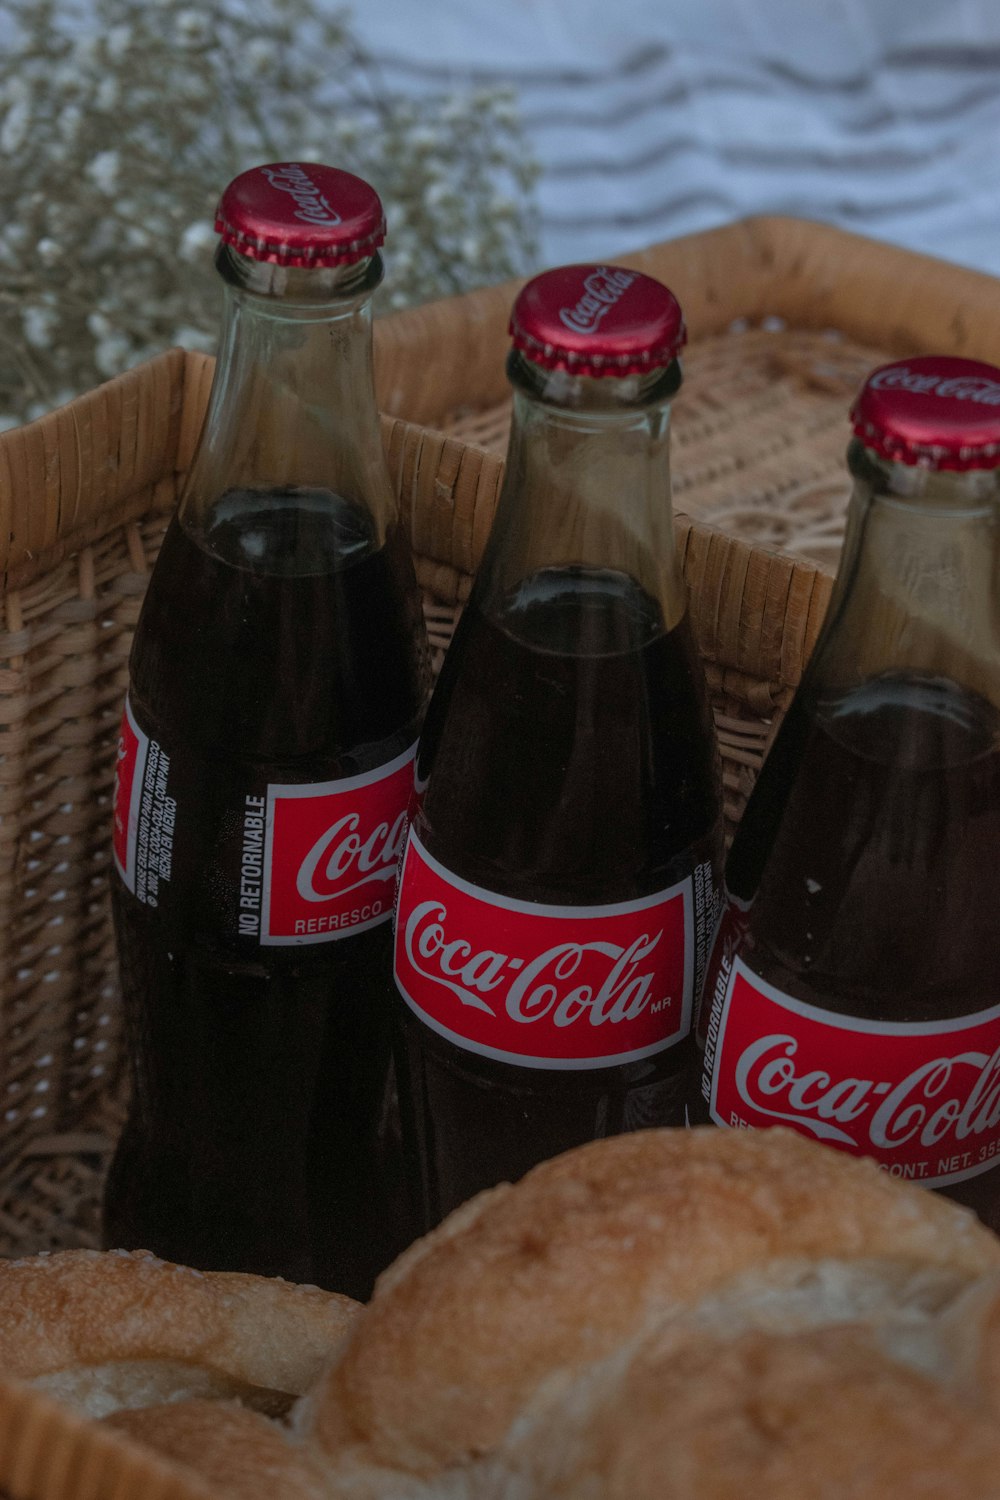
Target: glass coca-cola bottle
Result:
[558, 887]
[852, 991]
[265, 763]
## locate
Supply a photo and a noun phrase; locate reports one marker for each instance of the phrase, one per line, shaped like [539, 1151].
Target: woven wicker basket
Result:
[785, 318]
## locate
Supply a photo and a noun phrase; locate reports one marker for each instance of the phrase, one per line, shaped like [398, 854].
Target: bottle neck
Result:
[586, 490]
[916, 588]
[292, 409]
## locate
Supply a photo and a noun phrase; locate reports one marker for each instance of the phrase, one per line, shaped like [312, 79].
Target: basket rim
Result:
[810, 275]
[69, 475]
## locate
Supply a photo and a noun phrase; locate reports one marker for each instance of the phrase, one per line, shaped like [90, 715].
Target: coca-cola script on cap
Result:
[301, 214]
[597, 320]
[935, 410]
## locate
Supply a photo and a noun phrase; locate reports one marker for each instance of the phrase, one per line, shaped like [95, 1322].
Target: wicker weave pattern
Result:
[83, 498]
[47, 1452]
[64, 653]
[759, 433]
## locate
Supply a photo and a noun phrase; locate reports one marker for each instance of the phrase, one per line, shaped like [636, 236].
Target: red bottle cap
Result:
[301, 214]
[935, 410]
[597, 320]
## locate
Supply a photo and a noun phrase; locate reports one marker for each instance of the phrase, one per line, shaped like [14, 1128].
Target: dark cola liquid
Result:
[867, 858]
[255, 1139]
[570, 760]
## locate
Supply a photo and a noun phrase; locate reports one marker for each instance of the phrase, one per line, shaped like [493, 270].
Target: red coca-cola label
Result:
[323, 862]
[538, 985]
[923, 1098]
[315, 861]
[144, 812]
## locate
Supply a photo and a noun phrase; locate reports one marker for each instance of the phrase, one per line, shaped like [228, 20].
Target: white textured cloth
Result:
[651, 118]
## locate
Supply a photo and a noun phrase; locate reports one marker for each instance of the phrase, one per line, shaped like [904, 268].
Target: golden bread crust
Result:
[82, 1309]
[237, 1453]
[823, 1412]
[591, 1250]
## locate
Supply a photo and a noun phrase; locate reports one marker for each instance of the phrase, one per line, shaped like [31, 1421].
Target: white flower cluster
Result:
[119, 127]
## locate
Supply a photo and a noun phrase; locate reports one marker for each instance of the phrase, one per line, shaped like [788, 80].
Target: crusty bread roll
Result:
[661, 1316]
[118, 1329]
[239, 1454]
[824, 1412]
[530, 1287]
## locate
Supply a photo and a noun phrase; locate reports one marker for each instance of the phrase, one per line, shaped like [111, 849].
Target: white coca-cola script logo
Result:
[978, 388]
[342, 850]
[957, 1096]
[312, 206]
[601, 290]
[537, 986]
[326, 854]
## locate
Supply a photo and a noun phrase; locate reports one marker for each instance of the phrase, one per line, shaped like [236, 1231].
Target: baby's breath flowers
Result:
[121, 121]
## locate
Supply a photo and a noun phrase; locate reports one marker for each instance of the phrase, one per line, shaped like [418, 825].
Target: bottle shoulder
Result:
[281, 666]
[570, 771]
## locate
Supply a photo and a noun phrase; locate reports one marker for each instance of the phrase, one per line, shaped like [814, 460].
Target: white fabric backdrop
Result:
[652, 117]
